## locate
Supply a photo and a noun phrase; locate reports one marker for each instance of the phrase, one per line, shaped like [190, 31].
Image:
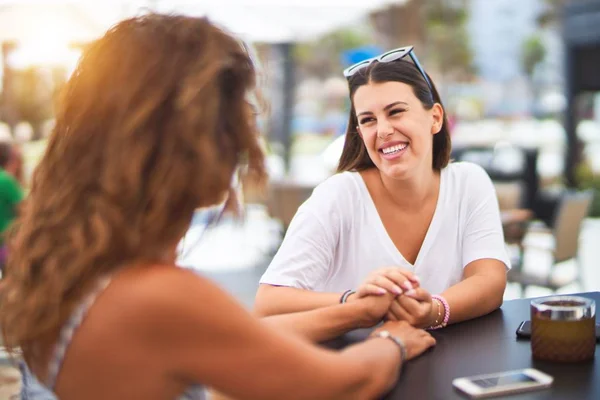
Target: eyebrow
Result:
[384, 108]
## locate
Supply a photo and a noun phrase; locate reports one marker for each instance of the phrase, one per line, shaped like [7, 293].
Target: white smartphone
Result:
[490, 385]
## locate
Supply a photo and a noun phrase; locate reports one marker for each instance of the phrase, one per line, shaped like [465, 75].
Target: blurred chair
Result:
[284, 199]
[572, 209]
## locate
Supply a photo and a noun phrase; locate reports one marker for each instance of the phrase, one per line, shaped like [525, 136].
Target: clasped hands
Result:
[394, 294]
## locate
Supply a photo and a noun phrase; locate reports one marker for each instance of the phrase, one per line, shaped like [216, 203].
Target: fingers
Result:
[408, 305]
[419, 294]
[415, 312]
[400, 279]
[369, 289]
[392, 280]
[389, 316]
[400, 313]
[388, 284]
[429, 340]
[410, 275]
[422, 342]
[404, 273]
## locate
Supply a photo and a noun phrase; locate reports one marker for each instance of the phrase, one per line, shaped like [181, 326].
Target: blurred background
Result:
[520, 81]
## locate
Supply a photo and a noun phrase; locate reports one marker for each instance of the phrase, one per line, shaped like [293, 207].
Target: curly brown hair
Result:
[151, 125]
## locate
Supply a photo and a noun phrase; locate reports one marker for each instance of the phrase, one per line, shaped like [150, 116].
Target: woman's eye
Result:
[397, 111]
[365, 120]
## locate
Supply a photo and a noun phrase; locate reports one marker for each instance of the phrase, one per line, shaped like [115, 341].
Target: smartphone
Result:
[502, 383]
[524, 330]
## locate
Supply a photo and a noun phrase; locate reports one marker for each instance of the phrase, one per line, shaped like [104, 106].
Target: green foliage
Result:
[321, 57]
[533, 52]
[448, 41]
[588, 180]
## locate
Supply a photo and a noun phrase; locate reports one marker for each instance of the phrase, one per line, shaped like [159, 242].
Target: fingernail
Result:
[381, 291]
[397, 290]
[416, 279]
[407, 285]
[411, 292]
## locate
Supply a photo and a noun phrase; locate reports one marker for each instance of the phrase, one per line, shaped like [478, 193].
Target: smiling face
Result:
[396, 128]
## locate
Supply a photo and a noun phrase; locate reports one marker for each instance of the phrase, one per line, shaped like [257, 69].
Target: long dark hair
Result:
[354, 155]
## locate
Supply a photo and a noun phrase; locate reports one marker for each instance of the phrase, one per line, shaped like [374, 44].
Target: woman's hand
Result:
[415, 340]
[415, 307]
[374, 308]
[392, 280]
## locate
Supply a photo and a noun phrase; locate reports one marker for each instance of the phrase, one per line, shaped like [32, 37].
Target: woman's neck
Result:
[412, 193]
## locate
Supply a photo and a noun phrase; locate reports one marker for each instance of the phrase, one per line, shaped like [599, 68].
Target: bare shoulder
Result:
[158, 292]
[156, 304]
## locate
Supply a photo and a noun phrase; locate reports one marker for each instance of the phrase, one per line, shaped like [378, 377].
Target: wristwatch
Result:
[395, 339]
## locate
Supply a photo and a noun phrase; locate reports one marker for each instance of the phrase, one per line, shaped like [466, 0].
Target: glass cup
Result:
[563, 328]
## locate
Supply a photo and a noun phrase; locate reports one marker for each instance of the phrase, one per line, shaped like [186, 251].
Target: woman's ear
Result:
[358, 131]
[438, 118]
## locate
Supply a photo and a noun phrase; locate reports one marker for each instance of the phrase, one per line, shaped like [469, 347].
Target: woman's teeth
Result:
[394, 149]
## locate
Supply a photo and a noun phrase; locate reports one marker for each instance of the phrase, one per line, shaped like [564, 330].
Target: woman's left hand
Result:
[415, 307]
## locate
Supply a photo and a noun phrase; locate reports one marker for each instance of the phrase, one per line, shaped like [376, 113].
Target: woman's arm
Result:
[485, 259]
[330, 322]
[479, 293]
[205, 337]
[274, 300]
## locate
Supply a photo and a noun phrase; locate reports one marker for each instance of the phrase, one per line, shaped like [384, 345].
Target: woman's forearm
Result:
[362, 371]
[377, 362]
[323, 323]
[476, 295]
[274, 300]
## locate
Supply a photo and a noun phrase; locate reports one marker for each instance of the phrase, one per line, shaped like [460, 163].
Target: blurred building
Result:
[497, 29]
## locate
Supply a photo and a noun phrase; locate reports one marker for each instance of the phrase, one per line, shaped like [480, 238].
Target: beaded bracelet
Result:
[444, 303]
[345, 296]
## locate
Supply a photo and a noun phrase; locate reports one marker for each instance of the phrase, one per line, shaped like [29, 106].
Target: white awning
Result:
[254, 20]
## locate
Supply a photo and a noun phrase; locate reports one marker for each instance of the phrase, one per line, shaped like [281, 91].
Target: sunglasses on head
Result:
[392, 55]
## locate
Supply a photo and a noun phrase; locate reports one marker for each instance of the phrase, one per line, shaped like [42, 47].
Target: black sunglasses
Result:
[392, 55]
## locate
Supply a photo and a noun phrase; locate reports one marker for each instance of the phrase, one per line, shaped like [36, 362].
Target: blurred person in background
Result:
[153, 124]
[398, 218]
[11, 191]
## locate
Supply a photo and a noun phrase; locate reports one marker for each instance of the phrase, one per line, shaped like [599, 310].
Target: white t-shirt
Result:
[337, 238]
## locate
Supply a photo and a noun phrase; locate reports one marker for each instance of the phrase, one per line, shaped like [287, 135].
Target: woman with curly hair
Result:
[153, 125]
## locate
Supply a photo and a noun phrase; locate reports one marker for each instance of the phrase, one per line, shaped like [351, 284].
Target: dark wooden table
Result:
[485, 345]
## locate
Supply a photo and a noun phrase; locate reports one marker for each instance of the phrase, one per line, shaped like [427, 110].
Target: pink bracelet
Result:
[444, 303]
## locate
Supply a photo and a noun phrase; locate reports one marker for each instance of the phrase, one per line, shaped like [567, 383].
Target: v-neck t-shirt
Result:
[337, 238]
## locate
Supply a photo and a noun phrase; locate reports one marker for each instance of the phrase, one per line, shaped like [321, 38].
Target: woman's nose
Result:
[384, 128]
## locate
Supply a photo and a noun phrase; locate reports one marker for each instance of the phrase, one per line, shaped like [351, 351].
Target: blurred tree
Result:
[448, 44]
[437, 29]
[34, 92]
[533, 52]
[551, 14]
[401, 25]
[322, 57]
